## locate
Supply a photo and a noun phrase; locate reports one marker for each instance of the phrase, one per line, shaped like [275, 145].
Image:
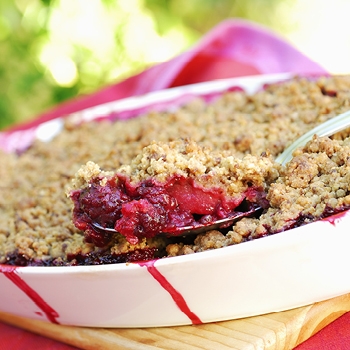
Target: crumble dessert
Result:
[236, 137]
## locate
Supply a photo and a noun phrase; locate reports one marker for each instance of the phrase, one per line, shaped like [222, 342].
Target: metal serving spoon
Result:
[327, 128]
[197, 228]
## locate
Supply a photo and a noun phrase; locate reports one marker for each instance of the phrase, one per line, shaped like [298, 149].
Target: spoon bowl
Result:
[197, 228]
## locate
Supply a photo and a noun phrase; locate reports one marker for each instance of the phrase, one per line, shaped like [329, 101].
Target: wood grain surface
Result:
[275, 331]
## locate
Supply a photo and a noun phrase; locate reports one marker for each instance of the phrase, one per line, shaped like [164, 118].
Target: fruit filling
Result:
[150, 208]
[168, 187]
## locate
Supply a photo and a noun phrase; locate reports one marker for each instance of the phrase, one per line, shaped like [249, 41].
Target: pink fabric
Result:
[233, 48]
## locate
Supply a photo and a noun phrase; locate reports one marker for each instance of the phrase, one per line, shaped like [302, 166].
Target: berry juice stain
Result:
[11, 273]
[176, 296]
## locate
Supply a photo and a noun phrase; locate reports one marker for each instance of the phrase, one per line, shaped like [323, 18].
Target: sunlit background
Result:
[54, 50]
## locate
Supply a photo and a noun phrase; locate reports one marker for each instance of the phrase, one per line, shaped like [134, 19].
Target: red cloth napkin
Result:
[233, 48]
[12, 338]
[336, 336]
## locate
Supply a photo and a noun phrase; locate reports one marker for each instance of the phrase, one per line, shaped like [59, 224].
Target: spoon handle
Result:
[328, 128]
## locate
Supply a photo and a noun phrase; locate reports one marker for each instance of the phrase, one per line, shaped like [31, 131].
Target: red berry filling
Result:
[150, 208]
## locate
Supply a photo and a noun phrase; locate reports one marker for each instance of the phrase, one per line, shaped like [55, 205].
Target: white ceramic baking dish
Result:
[287, 270]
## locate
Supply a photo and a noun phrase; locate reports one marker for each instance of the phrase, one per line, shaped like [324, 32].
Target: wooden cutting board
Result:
[275, 331]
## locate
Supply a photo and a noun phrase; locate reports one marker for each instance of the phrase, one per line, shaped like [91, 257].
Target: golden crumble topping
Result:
[160, 161]
[230, 142]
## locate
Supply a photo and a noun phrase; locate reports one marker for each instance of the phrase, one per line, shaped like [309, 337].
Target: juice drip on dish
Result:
[177, 297]
[11, 273]
[334, 219]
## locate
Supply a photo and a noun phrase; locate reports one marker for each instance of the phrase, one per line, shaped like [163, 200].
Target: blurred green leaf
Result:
[33, 48]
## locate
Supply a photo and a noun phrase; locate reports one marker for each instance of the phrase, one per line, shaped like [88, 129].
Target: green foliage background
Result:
[27, 87]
